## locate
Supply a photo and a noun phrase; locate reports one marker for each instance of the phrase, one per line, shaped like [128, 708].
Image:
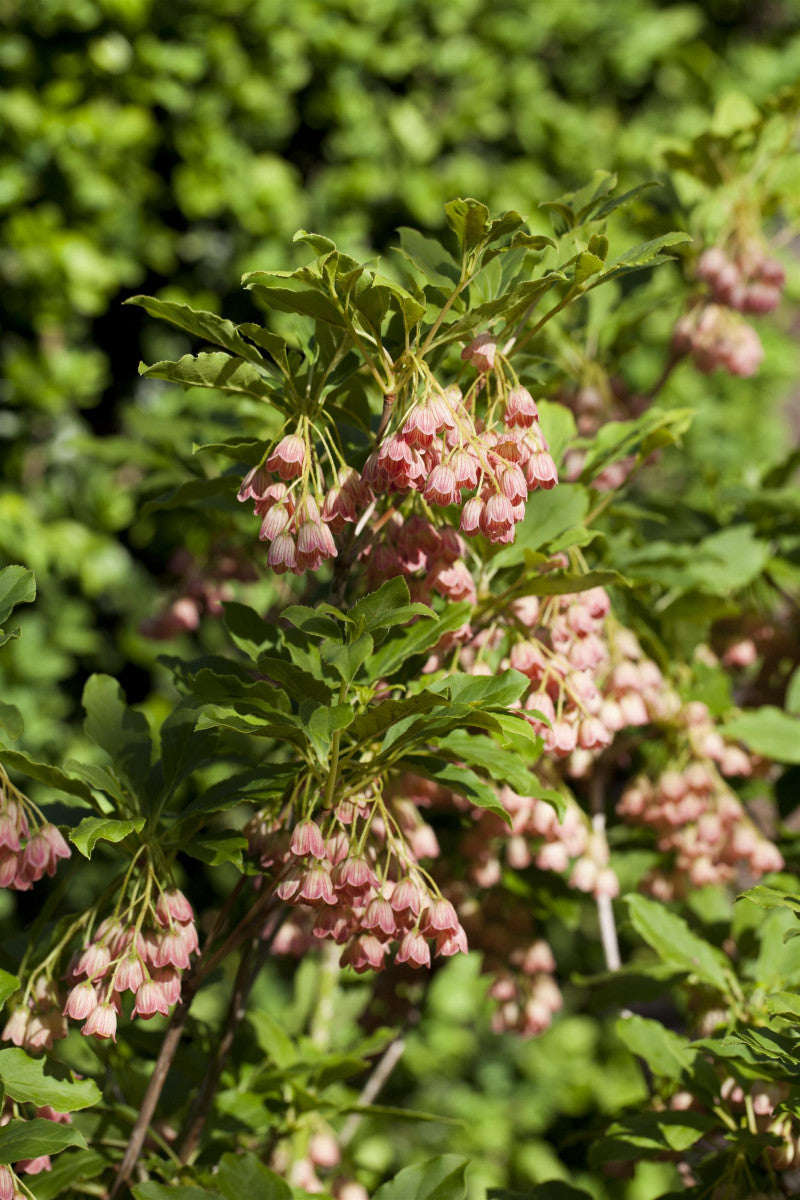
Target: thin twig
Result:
[172, 1037]
[196, 1119]
[244, 982]
[383, 1069]
[605, 910]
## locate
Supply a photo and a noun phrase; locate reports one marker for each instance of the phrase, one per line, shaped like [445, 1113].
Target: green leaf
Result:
[17, 586]
[45, 773]
[270, 288]
[532, 241]
[184, 748]
[644, 255]
[389, 605]
[767, 731]
[117, 729]
[11, 719]
[271, 342]
[102, 829]
[469, 221]
[25, 1081]
[212, 370]
[187, 494]
[784, 1004]
[250, 632]
[440, 1178]
[461, 780]
[349, 657]
[71, 1167]
[321, 723]
[676, 944]
[380, 717]
[243, 1177]
[548, 515]
[227, 847]
[485, 691]
[32, 1139]
[509, 306]
[769, 897]
[621, 439]
[587, 265]
[299, 683]
[500, 764]
[430, 258]
[417, 639]
[649, 1135]
[205, 325]
[161, 1191]
[8, 985]
[666, 1053]
[552, 1189]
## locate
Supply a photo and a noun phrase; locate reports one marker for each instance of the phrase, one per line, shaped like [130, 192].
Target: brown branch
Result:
[196, 1119]
[246, 976]
[195, 977]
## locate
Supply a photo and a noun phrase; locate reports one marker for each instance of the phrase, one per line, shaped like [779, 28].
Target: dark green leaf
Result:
[417, 639]
[117, 729]
[389, 605]
[666, 1053]
[102, 829]
[17, 586]
[11, 719]
[440, 1178]
[213, 370]
[25, 1080]
[8, 985]
[32, 1139]
[768, 731]
[243, 1177]
[469, 221]
[47, 774]
[676, 944]
[187, 494]
[205, 325]
[484, 691]
[347, 658]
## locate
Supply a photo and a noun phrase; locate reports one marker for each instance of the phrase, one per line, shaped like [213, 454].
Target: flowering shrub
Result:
[486, 700]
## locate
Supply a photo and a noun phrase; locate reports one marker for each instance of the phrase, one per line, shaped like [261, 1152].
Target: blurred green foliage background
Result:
[168, 147]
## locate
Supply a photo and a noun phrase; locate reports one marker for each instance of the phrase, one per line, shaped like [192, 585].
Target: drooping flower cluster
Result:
[431, 558]
[439, 447]
[589, 678]
[747, 280]
[30, 846]
[701, 824]
[435, 444]
[145, 958]
[9, 1189]
[716, 337]
[359, 881]
[297, 513]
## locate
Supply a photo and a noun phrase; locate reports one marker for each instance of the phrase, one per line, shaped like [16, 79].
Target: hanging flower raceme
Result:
[30, 845]
[299, 510]
[439, 445]
[143, 953]
[356, 878]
